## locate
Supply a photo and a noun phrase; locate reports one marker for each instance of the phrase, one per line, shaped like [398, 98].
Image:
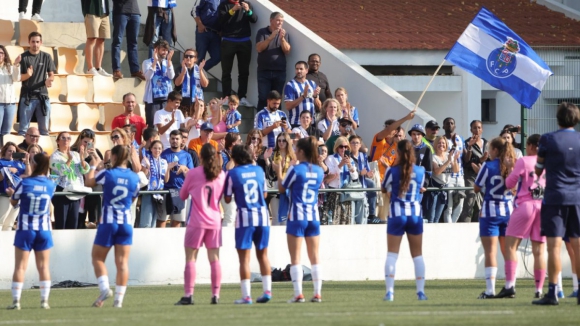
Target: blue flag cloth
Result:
[491, 51]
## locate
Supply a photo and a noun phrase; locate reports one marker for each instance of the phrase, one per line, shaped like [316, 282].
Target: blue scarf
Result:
[190, 83]
[160, 83]
[156, 173]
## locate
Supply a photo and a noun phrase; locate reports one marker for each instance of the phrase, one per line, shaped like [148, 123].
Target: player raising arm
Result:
[496, 208]
[120, 189]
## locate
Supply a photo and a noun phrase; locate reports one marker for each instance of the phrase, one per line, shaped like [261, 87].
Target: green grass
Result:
[344, 303]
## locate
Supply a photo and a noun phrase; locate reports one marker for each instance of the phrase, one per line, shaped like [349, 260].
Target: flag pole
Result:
[424, 91]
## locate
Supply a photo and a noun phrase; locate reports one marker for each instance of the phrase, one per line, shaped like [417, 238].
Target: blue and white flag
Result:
[491, 51]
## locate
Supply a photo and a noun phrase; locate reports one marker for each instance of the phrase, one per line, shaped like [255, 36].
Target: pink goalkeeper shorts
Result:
[196, 237]
[525, 221]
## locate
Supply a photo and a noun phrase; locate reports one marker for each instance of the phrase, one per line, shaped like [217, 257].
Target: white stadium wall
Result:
[347, 253]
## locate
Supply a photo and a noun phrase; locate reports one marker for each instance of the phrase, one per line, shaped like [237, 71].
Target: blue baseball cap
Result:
[417, 127]
[206, 126]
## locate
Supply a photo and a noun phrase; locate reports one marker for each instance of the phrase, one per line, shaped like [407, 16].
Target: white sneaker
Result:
[21, 15]
[103, 73]
[244, 102]
[44, 305]
[37, 18]
[93, 72]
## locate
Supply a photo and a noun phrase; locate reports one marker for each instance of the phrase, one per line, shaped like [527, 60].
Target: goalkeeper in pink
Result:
[525, 220]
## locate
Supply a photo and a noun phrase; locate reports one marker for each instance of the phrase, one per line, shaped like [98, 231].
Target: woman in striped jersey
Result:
[246, 183]
[33, 231]
[404, 183]
[120, 190]
[496, 208]
[303, 180]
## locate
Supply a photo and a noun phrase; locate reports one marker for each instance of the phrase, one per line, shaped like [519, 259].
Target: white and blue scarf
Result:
[190, 84]
[160, 83]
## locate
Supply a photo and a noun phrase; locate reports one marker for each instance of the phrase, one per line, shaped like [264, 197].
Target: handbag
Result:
[351, 195]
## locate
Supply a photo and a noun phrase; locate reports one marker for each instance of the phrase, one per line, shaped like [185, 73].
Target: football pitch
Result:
[451, 302]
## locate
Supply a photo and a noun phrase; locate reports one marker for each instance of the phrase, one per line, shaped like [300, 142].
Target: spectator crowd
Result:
[178, 121]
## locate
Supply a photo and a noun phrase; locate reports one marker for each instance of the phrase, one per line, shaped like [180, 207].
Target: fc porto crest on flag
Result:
[502, 62]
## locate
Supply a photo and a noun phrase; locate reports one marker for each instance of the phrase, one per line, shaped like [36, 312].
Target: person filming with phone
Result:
[271, 121]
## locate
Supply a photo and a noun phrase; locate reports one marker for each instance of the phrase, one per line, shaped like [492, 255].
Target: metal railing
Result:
[270, 191]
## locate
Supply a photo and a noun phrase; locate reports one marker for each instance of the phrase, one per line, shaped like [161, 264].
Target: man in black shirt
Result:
[37, 73]
[319, 78]
[235, 17]
[31, 138]
[272, 44]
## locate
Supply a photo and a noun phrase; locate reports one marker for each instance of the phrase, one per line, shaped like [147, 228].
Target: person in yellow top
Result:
[384, 150]
[206, 132]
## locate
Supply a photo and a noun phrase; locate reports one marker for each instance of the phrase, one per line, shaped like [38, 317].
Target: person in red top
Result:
[129, 117]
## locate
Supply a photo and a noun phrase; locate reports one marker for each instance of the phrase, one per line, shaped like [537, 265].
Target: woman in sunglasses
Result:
[92, 204]
[191, 79]
[120, 137]
[69, 167]
[341, 170]
[283, 156]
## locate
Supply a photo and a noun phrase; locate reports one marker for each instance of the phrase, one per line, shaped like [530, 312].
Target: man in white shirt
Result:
[169, 119]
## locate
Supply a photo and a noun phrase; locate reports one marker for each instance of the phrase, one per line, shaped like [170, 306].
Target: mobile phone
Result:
[90, 145]
[514, 129]
[283, 119]
[347, 153]
[18, 155]
[292, 136]
[452, 149]
[319, 150]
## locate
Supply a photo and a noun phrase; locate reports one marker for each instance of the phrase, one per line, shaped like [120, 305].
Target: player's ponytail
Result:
[505, 152]
[121, 153]
[41, 162]
[309, 147]
[211, 162]
[406, 158]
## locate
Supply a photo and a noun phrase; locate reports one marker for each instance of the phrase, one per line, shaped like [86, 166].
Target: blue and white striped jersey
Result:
[294, 90]
[265, 119]
[497, 199]
[232, 117]
[247, 184]
[410, 203]
[34, 194]
[303, 181]
[120, 186]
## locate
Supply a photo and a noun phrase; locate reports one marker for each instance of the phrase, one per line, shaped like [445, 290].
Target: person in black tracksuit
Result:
[235, 17]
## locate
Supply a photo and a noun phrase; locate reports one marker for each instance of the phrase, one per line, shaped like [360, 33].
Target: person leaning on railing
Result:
[342, 169]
